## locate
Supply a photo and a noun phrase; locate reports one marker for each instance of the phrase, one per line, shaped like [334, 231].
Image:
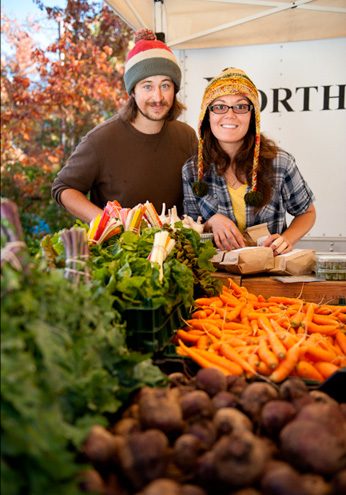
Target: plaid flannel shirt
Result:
[291, 194]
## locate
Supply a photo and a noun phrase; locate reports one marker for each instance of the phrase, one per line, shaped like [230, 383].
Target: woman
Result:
[239, 177]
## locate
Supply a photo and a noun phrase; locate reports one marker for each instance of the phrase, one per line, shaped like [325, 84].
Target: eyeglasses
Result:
[221, 108]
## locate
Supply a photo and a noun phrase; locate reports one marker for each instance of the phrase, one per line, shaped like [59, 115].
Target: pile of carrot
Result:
[243, 334]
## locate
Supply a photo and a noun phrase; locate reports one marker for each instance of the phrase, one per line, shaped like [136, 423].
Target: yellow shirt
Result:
[238, 203]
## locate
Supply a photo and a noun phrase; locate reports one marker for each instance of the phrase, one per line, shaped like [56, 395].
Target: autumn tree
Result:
[50, 98]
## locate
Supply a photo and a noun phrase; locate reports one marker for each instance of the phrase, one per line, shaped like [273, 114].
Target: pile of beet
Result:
[217, 435]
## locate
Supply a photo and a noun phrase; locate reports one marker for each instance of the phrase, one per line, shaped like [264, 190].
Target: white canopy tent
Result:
[217, 23]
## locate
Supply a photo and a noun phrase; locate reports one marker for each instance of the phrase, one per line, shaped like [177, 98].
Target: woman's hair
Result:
[129, 111]
[213, 153]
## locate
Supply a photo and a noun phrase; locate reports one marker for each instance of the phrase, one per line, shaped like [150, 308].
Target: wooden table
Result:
[322, 291]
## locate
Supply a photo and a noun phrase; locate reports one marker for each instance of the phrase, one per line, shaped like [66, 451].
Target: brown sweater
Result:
[116, 161]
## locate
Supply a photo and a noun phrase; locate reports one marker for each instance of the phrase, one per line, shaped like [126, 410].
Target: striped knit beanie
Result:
[150, 57]
[231, 81]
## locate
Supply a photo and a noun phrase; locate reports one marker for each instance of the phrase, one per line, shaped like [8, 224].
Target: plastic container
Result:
[151, 329]
[331, 266]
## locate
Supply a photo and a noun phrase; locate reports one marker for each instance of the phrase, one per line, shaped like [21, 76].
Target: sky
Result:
[21, 10]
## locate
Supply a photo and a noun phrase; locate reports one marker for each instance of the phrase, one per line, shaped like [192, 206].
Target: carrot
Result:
[263, 369]
[286, 366]
[325, 319]
[230, 353]
[266, 354]
[187, 337]
[201, 313]
[317, 353]
[326, 369]
[275, 343]
[205, 325]
[203, 342]
[206, 301]
[340, 338]
[229, 299]
[232, 367]
[200, 360]
[322, 329]
[308, 371]
[284, 300]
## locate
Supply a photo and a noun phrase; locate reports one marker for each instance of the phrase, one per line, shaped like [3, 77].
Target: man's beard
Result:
[153, 118]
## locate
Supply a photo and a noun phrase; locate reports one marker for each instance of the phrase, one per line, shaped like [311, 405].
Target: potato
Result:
[211, 381]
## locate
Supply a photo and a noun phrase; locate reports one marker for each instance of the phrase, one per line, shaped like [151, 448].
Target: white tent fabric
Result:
[216, 23]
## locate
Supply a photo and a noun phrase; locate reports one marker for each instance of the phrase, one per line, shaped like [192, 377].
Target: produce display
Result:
[241, 333]
[82, 411]
[213, 434]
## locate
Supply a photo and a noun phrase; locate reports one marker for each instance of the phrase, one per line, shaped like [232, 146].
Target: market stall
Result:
[94, 327]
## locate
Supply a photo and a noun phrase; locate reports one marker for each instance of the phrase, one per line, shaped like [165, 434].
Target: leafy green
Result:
[64, 367]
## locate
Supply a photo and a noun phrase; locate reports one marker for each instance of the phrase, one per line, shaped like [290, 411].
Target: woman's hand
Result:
[227, 236]
[278, 243]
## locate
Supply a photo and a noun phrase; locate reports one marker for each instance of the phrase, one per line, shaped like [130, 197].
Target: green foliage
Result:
[64, 367]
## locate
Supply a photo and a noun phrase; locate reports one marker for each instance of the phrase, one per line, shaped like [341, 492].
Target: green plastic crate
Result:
[150, 329]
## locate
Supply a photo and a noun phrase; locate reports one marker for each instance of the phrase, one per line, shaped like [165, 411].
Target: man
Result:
[138, 154]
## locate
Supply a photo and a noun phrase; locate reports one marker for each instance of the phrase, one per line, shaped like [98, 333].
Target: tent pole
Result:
[158, 20]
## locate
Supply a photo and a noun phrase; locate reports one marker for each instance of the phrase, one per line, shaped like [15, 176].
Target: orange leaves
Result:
[276, 338]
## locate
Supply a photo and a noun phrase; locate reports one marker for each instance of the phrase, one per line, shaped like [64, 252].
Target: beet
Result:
[228, 420]
[282, 480]
[275, 415]
[192, 490]
[254, 396]
[144, 456]
[186, 450]
[162, 486]
[224, 399]
[211, 381]
[100, 446]
[240, 458]
[310, 446]
[196, 404]
[159, 408]
[316, 484]
[204, 430]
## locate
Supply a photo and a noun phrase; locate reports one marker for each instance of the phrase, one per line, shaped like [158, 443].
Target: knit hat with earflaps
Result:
[150, 57]
[231, 81]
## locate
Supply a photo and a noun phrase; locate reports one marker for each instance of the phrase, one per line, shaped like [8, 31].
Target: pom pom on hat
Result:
[150, 57]
[231, 81]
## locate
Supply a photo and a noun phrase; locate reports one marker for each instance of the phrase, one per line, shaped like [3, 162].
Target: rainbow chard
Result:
[77, 254]
[13, 248]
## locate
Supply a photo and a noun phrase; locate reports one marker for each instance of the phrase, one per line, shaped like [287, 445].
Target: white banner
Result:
[303, 100]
